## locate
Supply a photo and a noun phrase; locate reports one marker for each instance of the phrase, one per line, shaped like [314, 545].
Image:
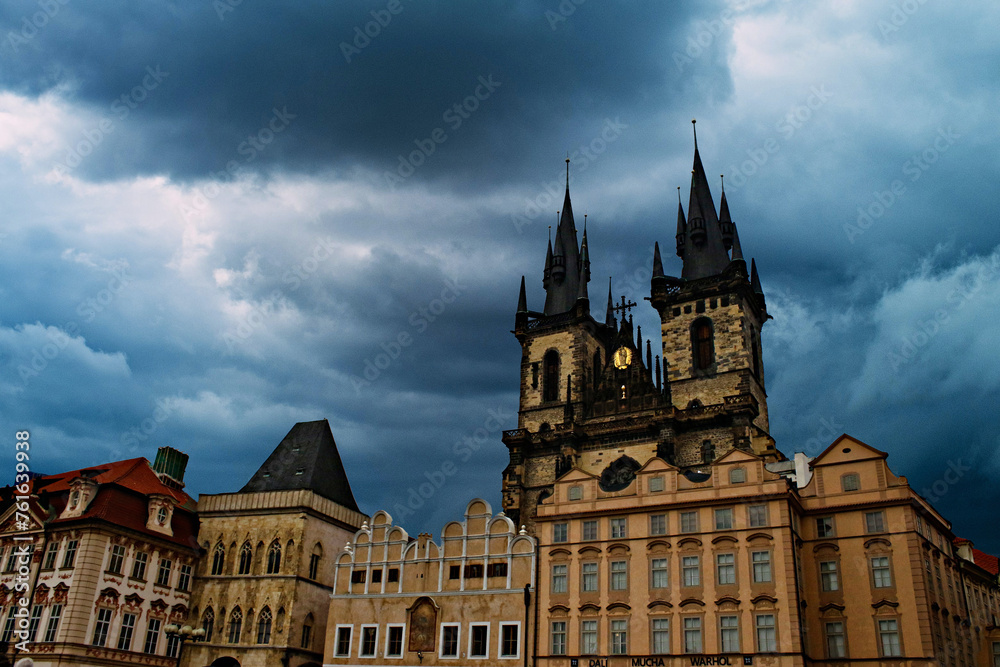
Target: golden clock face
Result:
[623, 357]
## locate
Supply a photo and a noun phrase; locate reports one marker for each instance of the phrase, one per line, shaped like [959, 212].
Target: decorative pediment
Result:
[832, 606]
[618, 547]
[657, 545]
[759, 536]
[560, 553]
[878, 541]
[133, 601]
[161, 512]
[60, 592]
[885, 603]
[619, 606]
[558, 609]
[158, 606]
[727, 600]
[692, 601]
[590, 607]
[656, 604]
[689, 541]
[588, 550]
[724, 539]
[764, 600]
[829, 546]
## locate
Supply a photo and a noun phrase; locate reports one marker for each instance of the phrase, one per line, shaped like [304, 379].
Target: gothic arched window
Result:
[274, 558]
[218, 559]
[208, 623]
[264, 626]
[703, 343]
[707, 451]
[550, 385]
[755, 352]
[314, 558]
[235, 626]
[246, 558]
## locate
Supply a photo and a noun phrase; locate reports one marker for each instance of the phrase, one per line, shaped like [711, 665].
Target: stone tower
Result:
[592, 395]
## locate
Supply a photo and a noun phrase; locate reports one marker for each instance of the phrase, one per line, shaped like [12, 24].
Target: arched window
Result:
[274, 558]
[550, 383]
[218, 559]
[703, 343]
[208, 623]
[314, 559]
[246, 558]
[307, 629]
[737, 476]
[707, 451]
[235, 626]
[755, 352]
[264, 626]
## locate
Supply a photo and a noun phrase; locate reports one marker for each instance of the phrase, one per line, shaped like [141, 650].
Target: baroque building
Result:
[263, 587]
[97, 563]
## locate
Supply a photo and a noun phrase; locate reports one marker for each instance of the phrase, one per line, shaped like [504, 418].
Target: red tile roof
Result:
[984, 560]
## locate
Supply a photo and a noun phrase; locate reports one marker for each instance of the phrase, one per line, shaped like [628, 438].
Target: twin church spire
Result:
[567, 264]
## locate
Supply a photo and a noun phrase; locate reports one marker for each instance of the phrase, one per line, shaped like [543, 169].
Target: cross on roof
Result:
[624, 306]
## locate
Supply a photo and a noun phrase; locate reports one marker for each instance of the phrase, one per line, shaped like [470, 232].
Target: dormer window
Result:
[74, 500]
[161, 516]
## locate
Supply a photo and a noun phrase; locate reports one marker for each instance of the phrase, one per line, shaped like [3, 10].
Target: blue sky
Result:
[217, 216]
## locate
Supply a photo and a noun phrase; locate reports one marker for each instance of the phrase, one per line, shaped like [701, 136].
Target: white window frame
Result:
[624, 633]
[563, 632]
[562, 527]
[656, 529]
[653, 571]
[656, 484]
[486, 653]
[723, 513]
[722, 633]
[500, 655]
[402, 641]
[696, 522]
[753, 524]
[458, 642]
[719, 565]
[696, 569]
[653, 630]
[596, 634]
[616, 584]
[595, 575]
[361, 640]
[591, 523]
[619, 528]
[562, 577]
[336, 640]
[764, 567]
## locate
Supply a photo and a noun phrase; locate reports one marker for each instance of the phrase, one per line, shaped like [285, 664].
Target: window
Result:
[729, 634]
[52, 626]
[619, 636]
[559, 578]
[173, 642]
[737, 476]
[472, 571]
[689, 522]
[835, 647]
[558, 638]
[360, 576]
[588, 637]
[655, 484]
[70, 556]
[767, 641]
[761, 566]
[888, 632]
[218, 559]
[12, 559]
[152, 636]
[702, 344]
[692, 634]
[184, 577]
[881, 576]
[394, 641]
[550, 382]
[449, 641]
[274, 558]
[236, 626]
[376, 576]
[757, 515]
[264, 626]
[560, 532]
[454, 572]
[724, 519]
[658, 524]
[619, 575]
[590, 530]
[393, 577]
[661, 635]
[874, 522]
[850, 482]
[116, 560]
[707, 451]
[618, 528]
[8, 628]
[690, 571]
[996, 654]
[50, 556]
[509, 644]
[660, 577]
[343, 648]
[479, 640]
[725, 569]
[100, 627]
[369, 640]
[33, 620]
[163, 573]
[589, 577]
[828, 575]
[575, 493]
[246, 558]
[496, 570]
[314, 561]
[208, 623]
[824, 527]
[139, 566]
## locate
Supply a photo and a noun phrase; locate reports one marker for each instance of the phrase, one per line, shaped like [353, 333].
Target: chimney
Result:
[170, 465]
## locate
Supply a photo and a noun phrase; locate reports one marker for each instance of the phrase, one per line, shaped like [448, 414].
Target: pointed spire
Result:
[681, 225]
[657, 262]
[737, 249]
[609, 319]
[582, 294]
[567, 265]
[659, 386]
[754, 278]
[522, 299]
[705, 254]
[649, 357]
[547, 276]
[725, 221]
[638, 339]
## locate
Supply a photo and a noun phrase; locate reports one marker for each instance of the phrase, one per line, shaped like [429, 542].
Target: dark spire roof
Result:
[657, 261]
[522, 299]
[564, 287]
[307, 458]
[737, 249]
[609, 319]
[754, 278]
[681, 225]
[704, 253]
[725, 220]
